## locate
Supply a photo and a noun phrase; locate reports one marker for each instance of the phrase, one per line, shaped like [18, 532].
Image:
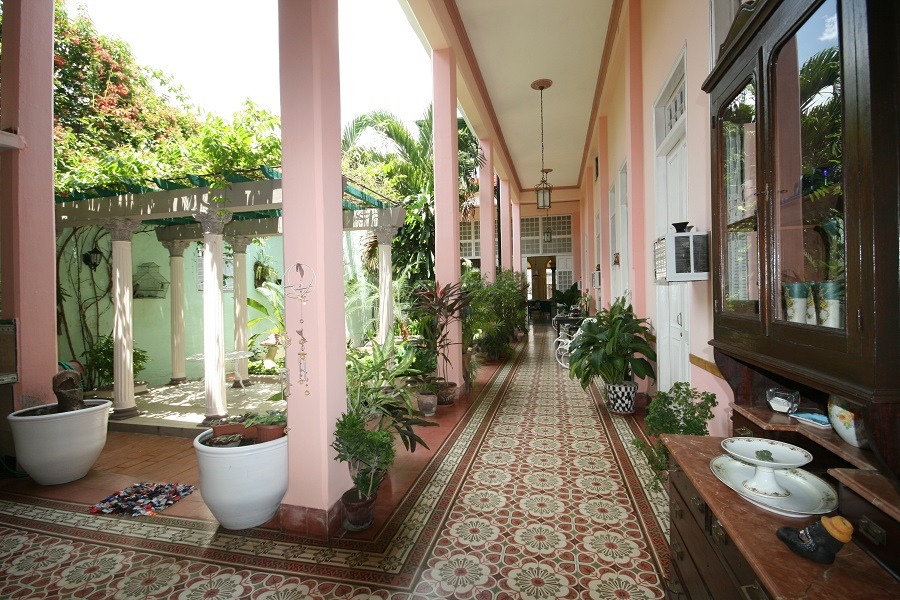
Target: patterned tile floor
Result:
[538, 493]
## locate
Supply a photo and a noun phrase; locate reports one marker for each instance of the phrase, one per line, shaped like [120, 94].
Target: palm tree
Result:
[405, 161]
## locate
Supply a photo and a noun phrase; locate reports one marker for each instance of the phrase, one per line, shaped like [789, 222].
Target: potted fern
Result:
[615, 347]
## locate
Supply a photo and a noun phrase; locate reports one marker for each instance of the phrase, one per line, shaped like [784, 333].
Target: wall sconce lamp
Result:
[92, 258]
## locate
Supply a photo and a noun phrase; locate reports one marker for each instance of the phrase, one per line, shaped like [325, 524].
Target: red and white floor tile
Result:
[538, 493]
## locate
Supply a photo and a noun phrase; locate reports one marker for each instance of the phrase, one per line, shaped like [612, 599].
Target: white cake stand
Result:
[767, 456]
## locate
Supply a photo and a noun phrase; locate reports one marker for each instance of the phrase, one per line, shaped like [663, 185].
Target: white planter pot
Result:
[243, 486]
[62, 447]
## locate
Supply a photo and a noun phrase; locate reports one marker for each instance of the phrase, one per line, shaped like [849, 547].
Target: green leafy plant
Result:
[440, 307]
[369, 453]
[682, 410]
[612, 346]
[568, 298]
[271, 417]
[99, 360]
[373, 393]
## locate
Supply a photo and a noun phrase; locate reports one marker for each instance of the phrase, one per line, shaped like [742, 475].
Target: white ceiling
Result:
[518, 41]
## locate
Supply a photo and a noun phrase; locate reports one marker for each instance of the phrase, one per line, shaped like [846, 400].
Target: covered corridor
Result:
[536, 492]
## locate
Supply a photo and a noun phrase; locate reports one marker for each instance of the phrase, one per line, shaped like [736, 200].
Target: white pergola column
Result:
[241, 334]
[176, 250]
[213, 224]
[446, 193]
[385, 235]
[506, 244]
[486, 212]
[120, 231]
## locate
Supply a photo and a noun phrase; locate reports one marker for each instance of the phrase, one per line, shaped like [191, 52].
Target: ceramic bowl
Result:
[847, 423]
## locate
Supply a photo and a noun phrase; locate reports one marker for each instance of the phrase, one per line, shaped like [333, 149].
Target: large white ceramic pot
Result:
[61, 447]
[243, 486]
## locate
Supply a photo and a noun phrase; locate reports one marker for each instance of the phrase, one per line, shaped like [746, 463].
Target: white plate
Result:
[784, 456]
[810, 495]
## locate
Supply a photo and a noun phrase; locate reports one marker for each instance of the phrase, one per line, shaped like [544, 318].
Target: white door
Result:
[618, 235]
[673, 310]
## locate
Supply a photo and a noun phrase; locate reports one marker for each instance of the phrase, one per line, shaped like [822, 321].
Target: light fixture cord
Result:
[543, 175]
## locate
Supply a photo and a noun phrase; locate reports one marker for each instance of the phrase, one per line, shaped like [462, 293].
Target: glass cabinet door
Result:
[808, 197]
[740, 273]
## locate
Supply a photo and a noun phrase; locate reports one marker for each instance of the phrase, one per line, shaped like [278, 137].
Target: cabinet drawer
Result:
[734, 561]
[686, 574]
[694, 503]
[875, 531]
[696, 542]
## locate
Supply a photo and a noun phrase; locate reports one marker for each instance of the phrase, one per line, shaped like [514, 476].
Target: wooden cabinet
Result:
[806, 281]
[723, 547]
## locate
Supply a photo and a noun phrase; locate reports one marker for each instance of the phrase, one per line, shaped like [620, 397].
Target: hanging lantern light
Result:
[548, 235]
[543, 189]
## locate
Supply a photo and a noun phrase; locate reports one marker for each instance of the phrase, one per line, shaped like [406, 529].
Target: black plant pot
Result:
[358, 513]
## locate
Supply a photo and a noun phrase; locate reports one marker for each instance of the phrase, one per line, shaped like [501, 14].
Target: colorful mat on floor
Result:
[143, 499]
[537, 494]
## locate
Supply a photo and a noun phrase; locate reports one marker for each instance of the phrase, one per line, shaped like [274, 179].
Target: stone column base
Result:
[124, 413]
[177, 381]
[208, 420]
[241, 383]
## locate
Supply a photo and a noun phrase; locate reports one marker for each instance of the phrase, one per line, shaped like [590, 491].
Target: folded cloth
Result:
[143, 499]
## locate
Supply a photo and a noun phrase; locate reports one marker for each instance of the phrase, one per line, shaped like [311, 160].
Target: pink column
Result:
[27, 228]
[516, 237]
[505, 228]
[634, 140]
[311, 150]
[487, 212]
[446, 191]
[603, 298]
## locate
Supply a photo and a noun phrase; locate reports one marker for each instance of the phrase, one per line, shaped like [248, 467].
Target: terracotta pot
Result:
[358, 513]
[267, 433]
[247, 432]
[447, 394]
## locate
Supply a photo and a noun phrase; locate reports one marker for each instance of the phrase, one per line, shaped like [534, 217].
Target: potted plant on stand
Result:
[369, 454]
[614, 347]
[59, 443]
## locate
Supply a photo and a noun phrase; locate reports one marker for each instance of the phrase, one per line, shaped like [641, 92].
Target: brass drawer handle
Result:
[743, 432]
[676, 550]
[754, 591]
[718, 533]
[871, 530]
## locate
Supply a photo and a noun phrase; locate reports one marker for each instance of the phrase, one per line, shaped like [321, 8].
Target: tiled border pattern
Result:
[526, 500]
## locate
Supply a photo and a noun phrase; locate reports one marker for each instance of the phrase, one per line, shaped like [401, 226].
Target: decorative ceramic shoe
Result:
[820, 541]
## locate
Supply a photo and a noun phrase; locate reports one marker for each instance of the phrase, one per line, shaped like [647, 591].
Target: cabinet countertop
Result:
[854, 573]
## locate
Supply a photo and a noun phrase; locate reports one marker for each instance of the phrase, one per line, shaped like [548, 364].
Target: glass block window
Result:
[469, 239]
[561, 234]
[531, 235]
[564, 279]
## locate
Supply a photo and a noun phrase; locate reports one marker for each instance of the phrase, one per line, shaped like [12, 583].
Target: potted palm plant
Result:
[614, 346]
[369, 453]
